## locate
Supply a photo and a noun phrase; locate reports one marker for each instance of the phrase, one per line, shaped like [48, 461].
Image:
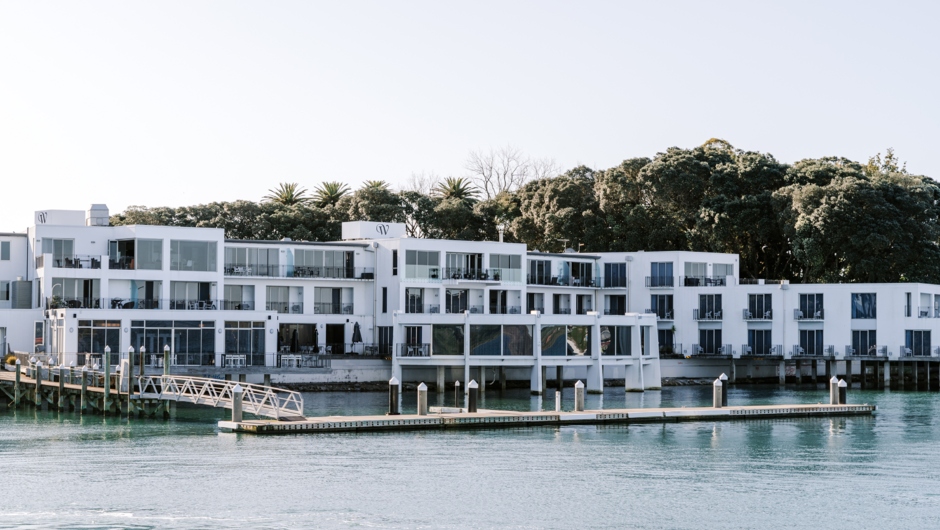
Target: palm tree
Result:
[287, 194]
[457, 188]
[329, 193]
[375, 185]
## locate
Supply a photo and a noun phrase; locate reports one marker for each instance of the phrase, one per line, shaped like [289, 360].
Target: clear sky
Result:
[178, 103]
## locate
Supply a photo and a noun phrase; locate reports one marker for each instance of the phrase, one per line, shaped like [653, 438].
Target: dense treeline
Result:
[817, 220]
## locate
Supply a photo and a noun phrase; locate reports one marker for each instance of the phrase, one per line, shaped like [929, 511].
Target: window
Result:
[661, 275]
[246, 338]
[420, 264]
[251, 261]
[811, 340]
[414, 300]
[864, 305]
[582, 274]
[394, 263]
[386, 339]
[446, 339]
[709, 306]
[667, 341]
[500, 340]
[5, 250]
[695, 271]
[907, 304]
[709, 340]
[662, 306]
[385, 299]
[192, 295]
[278, 299]
[329, 300]
[95, 335]
[192, 342]
[192, 255]
[509, 265]
[615, 275]
[59, 248]
[617, 340]
[4, 293]
[455, 300]
[540, 272]
[864, 341]
[240, 297]
[75, 293]
[811, 306]
[721, 270]
[759, 341]
[918, 342]
[760, 306]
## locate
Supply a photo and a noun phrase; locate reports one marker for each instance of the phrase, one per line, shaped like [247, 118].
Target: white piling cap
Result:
[472, 384]
[73, 364]
[718, 382]
[393, 381]
[130, 349]
[579, 384]
[107, 349]
[834, 379]
[143, 349]
[84, 368]
[723, 377]
[166, 348]
[18, 362]
[457, 382]
[422, 387]
[39, 364]
[238, 389]
[842, 383]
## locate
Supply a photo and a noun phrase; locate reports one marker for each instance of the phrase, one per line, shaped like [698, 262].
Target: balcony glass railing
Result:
[505, 310]
[758, 315]
[326, 308]
[292, 308]
[414, 350]
[660, 282]
[283, 271]
[698, 314]
[815, 314]
[660, 314]
[703, 281]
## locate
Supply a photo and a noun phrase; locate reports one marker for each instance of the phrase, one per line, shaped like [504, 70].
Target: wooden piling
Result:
[38, 375]
[799, 372]
[84, 403]
[61, 404]
[17, 393]
[848, 372]
[130, 381]
[106, 362]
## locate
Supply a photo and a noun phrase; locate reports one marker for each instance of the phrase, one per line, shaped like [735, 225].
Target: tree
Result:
[376, 204]
[457, 188]
[423, 183]
[142, 215]
[329, 193]
[287, 194]
[506, 170]
[375, 184]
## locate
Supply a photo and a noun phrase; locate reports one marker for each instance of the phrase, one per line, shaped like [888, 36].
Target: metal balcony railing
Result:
[703, 281]
[660, 314]
[615, 311]
[923, 312]
[74, 261]
[475, 309]
[505, 310]
[766, 315]
[124, 303]
[562, 311]
[238, 305]
[660, 282]
[698, 314]
[283, 271]
[303, 360]
[907, 351]
[414, 350]
[327, 308]
[287, 308]
[74, 303]
[818, 314]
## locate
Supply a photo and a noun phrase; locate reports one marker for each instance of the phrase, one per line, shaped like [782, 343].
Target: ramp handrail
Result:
[256, 399]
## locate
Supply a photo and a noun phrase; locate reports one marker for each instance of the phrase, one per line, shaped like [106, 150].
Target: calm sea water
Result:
[65, 471]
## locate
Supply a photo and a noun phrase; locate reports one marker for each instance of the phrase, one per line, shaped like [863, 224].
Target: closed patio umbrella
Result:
[357, 335]
[294, 342]
[316, 339]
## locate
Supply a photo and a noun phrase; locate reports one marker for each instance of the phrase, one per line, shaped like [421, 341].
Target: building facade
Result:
[71, 285]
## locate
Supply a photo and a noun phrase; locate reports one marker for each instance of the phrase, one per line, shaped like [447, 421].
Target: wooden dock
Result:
[490, 419]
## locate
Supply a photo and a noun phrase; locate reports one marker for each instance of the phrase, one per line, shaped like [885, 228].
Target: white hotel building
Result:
[380, 303]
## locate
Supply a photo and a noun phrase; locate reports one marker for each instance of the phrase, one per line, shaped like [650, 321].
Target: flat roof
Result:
[564, 255]
[12, 234]
[309, 243]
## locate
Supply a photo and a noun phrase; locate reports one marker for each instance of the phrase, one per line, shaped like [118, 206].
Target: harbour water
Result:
[66, 471]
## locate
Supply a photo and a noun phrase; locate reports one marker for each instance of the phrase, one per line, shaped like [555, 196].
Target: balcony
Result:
[818, 314]
[419, 309]
[72, 262]
[714, 350]
[799, 351]
[703, 281]
[766, 315]
[326, 308]
[706, 315]
[57, 302]
[291, 308]
[238, 305]
[562, 311]
[124, 303]
[584, 310]
[617, 312]
[283, 271]
[769, 350]
[660, 315]
[660, 282]
[505, 310]
[414, 350]
[924, 312]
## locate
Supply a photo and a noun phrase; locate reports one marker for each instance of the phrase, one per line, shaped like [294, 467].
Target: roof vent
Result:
[286, 239]
[570, 251]
[97, 215]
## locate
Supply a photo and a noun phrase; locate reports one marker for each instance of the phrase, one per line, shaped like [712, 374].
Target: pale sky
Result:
[179, 103]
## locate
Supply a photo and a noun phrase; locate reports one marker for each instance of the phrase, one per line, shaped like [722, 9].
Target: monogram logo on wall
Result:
[41, 217]
[382, 229]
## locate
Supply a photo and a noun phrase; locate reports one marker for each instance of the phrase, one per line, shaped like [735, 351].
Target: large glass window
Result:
[540, 272]
[709, 307]
[192, 255]
[582, 274]
[579, 340]
[150, 254]
[667, 341]
[386, 339]
[323, 264]
[661, 306]
[192, 295]
[661, 275]
[759, 341]
[864, 342]
[245, 339]
[811, 306]
[500, 340]
[811, 340]
[4, 251]
[4, 291]
[447, 339]
[192, 342]
[709, 340]
[615, 275]
[95, 335]
[422, 265]
[75, 293]
[760, 306]
[60, 249]
[240, 297]
[464, 266]
[864, 305]
[918, 342]
[616, 340]
[242, 261]
[295, 338]
[553, 340]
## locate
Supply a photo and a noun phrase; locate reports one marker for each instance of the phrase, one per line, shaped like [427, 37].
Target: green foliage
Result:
[329, 193]
[287, 194]
[827, 219]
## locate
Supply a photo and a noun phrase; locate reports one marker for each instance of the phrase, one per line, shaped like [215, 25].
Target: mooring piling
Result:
[724, 390]
[422, 399]
[717, 387]
[393, 386]
[579, 396]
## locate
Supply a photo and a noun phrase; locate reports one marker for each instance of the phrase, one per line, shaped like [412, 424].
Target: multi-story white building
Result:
[71, 285]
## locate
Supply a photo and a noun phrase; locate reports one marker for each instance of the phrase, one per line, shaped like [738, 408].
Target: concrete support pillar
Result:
[863, 374]
[814, 372]
[502, 378]
[848, 373]
[732, 373]
[749, 371]
[781, 375]
[482, 380]
[466, 377]
[595, 377]
[915, 376]
[830, 370]
[267, 380]
[799, 372]
[559, 377]
[885, 375]
[440, 380]
[544, 378]
[535, 380]
[242, 378]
